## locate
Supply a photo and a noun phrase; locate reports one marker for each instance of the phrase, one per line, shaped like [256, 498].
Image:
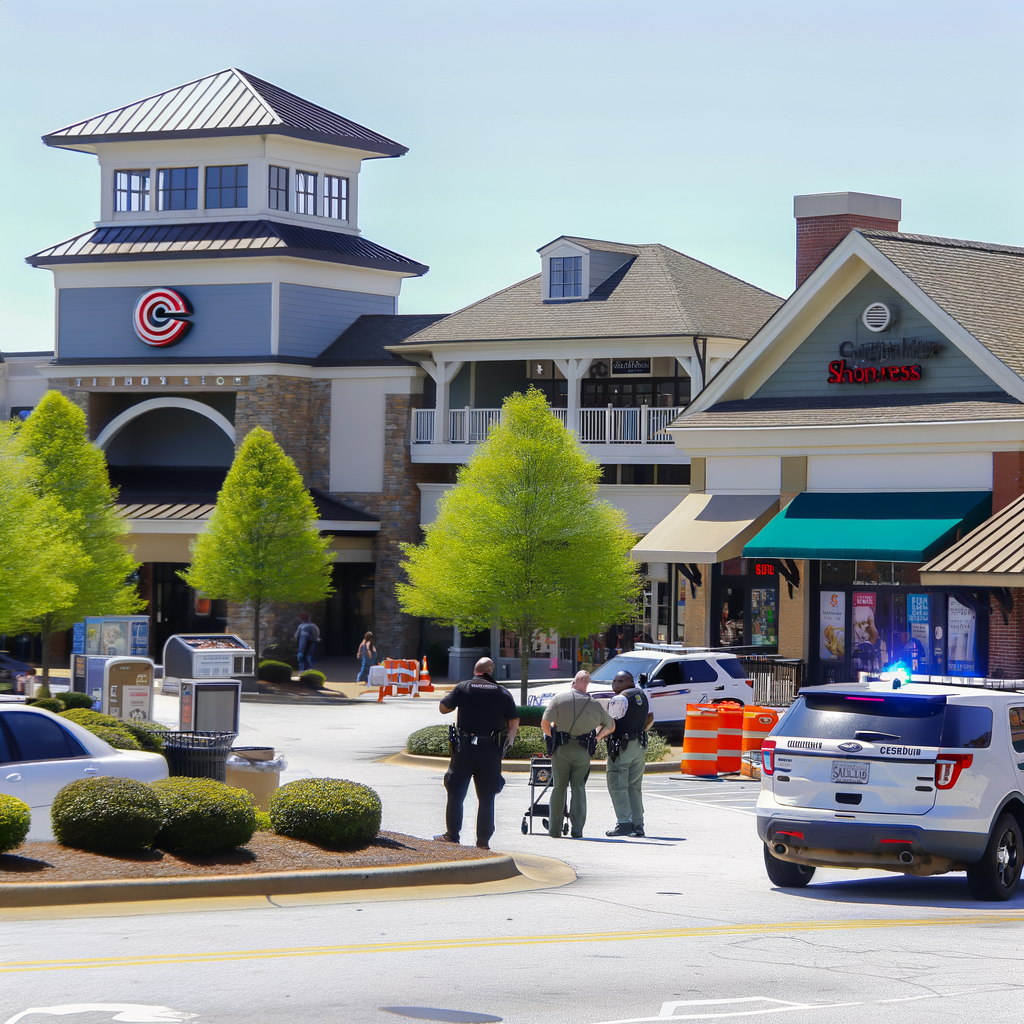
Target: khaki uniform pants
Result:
[570, 766]
[625, 779]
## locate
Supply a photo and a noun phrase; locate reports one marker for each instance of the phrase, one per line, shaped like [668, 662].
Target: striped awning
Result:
[991, 555]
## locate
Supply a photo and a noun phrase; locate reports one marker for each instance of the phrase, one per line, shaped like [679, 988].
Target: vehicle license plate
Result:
[851, 771]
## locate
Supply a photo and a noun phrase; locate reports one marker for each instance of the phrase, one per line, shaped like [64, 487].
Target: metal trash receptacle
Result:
[257, 770]
[198, 755]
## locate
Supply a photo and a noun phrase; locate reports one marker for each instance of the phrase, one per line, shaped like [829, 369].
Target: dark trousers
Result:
[480, 762]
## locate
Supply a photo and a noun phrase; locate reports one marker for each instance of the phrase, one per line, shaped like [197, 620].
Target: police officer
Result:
[627, 753]
[572, 724]
[487, 725]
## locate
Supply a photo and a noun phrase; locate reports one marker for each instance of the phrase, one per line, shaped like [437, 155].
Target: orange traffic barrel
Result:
[757, 723]
[730, 736]
[700, 740]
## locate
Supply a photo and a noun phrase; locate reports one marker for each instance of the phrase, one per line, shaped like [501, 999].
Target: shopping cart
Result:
[540, 778]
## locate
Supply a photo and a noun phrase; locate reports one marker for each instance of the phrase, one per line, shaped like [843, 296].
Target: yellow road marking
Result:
[431, 945]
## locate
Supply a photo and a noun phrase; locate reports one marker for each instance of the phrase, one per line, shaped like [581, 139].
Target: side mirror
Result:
[641, 679]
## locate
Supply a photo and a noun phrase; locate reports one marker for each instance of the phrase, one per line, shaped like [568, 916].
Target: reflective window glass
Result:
[39, 738]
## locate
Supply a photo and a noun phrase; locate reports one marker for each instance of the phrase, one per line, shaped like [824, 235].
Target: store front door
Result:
[745, 595]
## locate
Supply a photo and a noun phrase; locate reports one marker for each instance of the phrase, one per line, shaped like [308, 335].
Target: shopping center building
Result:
[845, 464]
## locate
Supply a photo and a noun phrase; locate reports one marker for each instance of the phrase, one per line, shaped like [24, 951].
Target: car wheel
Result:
[997, 874]
[786, 874]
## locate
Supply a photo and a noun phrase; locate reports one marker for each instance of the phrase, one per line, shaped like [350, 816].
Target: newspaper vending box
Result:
[210, 705]
[128, 689]
[206, 656]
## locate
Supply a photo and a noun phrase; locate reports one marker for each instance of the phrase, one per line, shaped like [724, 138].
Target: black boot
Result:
[624, 828]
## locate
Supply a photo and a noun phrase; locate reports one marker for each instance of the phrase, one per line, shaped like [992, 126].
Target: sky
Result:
[692, 124]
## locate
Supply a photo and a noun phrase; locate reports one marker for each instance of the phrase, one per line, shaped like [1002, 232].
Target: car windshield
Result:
[633, 665]
[924, 721]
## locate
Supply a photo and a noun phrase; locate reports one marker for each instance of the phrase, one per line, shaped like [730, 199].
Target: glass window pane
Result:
[41, 739]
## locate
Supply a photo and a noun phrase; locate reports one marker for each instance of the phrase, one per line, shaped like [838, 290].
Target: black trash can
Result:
[198, 755]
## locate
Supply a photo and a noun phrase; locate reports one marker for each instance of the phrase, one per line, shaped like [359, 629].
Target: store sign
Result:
[631, 367]
[962, 656]
[764, 569]
[907, 350]
[161, 317]
[840, 373]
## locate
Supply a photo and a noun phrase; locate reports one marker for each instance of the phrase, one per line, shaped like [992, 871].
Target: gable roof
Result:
[659, 293]
[363, 343]
[230, 102]
[208, 239]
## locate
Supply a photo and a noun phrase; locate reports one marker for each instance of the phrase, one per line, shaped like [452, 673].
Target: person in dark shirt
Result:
[486, 728]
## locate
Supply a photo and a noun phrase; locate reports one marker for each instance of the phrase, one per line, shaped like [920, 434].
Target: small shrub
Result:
[15, 821]
[117, 738]
[203, 816]
[118, 733]
[529, 741]
[313, 679]
[263, 822]
[74, 699]
[85, 717]
[48, 704]
[334, 812]
[657, 748]
[106, 815]
[431, 741]
[146, 734]
[530, 714]
[275, 672]
[44, 690]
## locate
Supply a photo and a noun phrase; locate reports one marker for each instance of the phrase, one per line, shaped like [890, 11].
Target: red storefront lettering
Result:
[840, 373]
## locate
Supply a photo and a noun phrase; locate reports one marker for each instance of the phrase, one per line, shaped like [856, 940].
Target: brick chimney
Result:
[825, 219]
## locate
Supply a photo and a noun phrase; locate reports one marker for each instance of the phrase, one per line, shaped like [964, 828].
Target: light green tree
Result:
[262, 543]
[72, 472]
[523, 540]
[34, 556]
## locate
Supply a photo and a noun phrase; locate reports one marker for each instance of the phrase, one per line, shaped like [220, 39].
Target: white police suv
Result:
[919, 778]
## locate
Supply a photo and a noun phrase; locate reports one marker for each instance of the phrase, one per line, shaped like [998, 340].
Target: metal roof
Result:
[364, 342]
[230, 102]
[990, 555]
[223, 238]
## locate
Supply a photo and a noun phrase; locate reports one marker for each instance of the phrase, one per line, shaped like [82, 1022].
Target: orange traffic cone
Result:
[424, 673]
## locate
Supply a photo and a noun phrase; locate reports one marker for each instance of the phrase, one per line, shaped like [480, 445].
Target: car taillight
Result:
[768, 757]
[948, 768]
[750, 683]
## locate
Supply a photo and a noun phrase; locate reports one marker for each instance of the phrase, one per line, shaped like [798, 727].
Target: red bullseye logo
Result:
[160, 317]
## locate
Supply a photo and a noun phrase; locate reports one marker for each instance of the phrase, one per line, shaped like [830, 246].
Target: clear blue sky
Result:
[691, 124]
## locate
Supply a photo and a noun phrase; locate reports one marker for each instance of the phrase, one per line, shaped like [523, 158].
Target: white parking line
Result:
[702, 803]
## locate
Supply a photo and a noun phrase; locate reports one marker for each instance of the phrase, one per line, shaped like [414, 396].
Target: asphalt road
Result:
[681, 926]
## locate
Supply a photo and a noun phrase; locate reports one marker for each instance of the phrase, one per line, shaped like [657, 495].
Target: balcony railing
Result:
[643, 425]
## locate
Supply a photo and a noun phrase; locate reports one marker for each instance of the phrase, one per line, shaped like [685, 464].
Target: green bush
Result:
[106, 815]
[431, 741]
[275, 672]
[657, 748]
[334, 812]
[15, 821]
[87, 718]
[313, 679]
[47, 704]
[148, 735]
[529, 741]
[263, 822]
[117, 733]
[74, 699]
[530, 714]
[117, 738]
[203, 816]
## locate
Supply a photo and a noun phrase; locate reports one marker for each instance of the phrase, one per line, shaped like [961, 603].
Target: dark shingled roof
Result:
[230, 102]
[979, 284]
[836, 410]
[223, 238]
[659, 293]
[362, 344]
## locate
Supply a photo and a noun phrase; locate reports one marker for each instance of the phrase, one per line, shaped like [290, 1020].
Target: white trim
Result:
[275, 317]
[134, 411]
[227, 369]
[188, 527]
[350, 526]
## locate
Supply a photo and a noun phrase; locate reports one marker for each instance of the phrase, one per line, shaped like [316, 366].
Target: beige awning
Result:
[991, 555]
[707, 528]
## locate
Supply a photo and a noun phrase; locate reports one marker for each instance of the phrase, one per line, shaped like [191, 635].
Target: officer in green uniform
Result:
[572, 724]
[627, 753]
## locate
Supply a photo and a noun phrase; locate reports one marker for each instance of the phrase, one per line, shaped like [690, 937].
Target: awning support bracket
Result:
[693, 574]
[790, 572]
[1005, 599]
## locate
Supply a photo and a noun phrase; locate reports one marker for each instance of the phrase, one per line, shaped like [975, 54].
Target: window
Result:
[335, 197]
[40, 739]
[227, 187]
[131, 191]
[667, 675]
[177, 188]
[6, 756]
[305, 192]
[566, 277]
[699, 672]
[278, 188]
[732, 667]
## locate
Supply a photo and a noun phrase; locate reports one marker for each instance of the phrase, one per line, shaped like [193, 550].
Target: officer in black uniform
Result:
[627, 754]
[486, 728]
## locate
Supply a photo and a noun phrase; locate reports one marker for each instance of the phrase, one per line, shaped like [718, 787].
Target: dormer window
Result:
[227, 187]
[305, 192]
[131, 191]
[566, 277]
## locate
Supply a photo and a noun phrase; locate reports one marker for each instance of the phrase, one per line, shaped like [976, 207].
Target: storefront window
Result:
[763, 618]
[869, 573]
[836, 574]
[731, 633]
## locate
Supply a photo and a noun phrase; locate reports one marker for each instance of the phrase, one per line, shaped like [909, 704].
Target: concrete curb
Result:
[44, 894]
[440, 764]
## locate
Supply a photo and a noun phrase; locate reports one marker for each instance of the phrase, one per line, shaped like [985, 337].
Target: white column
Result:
[574, 371]
[443, 372]
[692, 368]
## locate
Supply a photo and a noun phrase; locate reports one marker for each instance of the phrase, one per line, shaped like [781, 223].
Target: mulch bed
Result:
[50, 862]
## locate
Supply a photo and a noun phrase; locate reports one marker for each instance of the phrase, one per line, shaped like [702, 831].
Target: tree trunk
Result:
[46, 637]
[525, 650]
[256, 637]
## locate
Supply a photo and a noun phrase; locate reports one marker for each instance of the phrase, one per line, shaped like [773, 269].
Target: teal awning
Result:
[889, 526]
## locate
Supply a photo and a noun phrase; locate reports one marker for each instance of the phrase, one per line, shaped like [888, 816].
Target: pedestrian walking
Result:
[572, 723]
[485, 729]
[306, 636]
[627, 754]
[367, 655]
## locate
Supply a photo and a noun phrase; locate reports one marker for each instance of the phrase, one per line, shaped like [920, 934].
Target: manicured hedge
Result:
[15, 821]
[529, 741]
[124, 734]
[203, 816]
[47, 704]
[334, 812]
[657, 748]
[530, 714]
[106, 815]
[313, 679]
[431, 741]
[263, 822]
[74, 699]
[275, 672]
